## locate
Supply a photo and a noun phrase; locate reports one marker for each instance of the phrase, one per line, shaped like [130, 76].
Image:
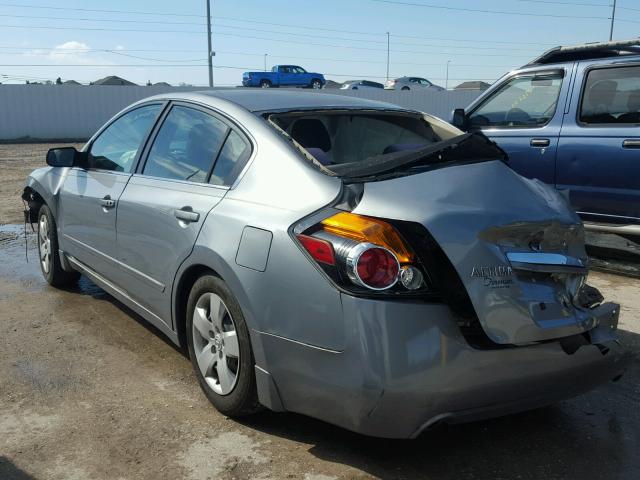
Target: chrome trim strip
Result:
[145, 278]
[606, 215]
[598, 227]
[545, 262]
[328, 350]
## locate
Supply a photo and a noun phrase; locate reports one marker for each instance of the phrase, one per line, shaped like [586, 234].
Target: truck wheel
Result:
[265, 84]
[316, 84]
[220, 347]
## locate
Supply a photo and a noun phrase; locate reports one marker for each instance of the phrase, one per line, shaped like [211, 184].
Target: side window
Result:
[611, 96]
[523, 102]
[186, 145]
[232, 158]
[116, 147]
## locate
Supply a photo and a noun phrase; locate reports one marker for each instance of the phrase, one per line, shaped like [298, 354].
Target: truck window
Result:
[611, 96]
[522, 102]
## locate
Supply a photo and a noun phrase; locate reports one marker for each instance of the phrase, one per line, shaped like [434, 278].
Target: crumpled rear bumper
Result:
[407, 366]
[475, 384]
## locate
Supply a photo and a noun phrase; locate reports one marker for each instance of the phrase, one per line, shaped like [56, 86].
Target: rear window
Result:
[335, 138]
[611, 96]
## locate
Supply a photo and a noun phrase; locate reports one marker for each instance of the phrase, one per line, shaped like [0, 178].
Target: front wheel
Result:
[405, 88]
[220, 348]
[48, 251]
[316, 84]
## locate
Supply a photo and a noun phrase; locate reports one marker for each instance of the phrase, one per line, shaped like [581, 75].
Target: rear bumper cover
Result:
[407, 367]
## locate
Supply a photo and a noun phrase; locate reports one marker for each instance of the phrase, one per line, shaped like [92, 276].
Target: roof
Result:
[588, 51]
[271, 100]
[113, 80]
[474, 85]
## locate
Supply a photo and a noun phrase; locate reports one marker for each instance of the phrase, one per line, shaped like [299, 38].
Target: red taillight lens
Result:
[372, 266]
[320, 250]
[378, 268]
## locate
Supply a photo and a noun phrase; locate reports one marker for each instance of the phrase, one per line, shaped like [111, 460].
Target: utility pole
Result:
[388, 35]
[446, 81]
[613, 19]
[209, 51]
[265, 62]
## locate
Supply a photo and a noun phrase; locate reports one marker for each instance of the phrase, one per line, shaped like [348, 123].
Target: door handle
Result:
[186, 214]
[107, 202]
[631, 143]
[540, 142]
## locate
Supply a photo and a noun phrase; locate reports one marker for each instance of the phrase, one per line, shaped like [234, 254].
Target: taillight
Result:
[372, 266]
[320, 250]
[361, 252]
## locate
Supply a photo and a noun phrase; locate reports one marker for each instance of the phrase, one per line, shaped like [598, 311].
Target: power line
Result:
[128, 12]
[581, 4]
[224, 52]
[478, 10]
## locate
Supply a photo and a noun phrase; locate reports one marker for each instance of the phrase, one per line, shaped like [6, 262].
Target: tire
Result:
[405, 88]
[316, 84]
[213, 352]
[265, 84]
[48, 253]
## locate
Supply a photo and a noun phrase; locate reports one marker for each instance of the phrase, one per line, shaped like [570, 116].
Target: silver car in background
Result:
[349, 260]
[361, 85]
[412, 83]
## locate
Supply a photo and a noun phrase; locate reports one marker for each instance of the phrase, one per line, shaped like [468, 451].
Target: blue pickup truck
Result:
[283, 76]
[571, 118]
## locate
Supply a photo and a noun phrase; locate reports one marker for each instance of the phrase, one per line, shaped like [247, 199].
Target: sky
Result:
[163, 40]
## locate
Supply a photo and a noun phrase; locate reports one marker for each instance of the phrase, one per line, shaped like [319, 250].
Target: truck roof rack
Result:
[588, 51]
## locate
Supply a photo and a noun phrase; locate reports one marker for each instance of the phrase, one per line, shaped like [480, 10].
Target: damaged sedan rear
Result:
[350, 260]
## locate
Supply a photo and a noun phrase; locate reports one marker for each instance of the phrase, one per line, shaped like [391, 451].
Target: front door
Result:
[522, 116]
[599, 152]
[164, 205]
[89, 196]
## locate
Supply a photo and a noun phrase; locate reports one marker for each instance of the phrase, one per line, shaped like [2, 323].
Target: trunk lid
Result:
[515, 244]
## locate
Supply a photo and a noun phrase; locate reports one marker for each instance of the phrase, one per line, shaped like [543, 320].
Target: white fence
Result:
[57, 112]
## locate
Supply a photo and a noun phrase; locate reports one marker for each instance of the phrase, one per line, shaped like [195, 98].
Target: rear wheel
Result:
[405, 88]
[265, 84]
[220, 348]
[48, 251]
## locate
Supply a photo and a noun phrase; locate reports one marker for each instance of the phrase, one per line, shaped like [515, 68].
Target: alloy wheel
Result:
[44, 243]
[215, 342]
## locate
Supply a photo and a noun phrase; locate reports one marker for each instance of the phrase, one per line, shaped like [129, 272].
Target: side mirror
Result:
[63, 157]
[459, 119]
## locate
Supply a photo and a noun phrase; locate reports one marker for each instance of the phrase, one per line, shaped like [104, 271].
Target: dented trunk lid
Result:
[515, 244]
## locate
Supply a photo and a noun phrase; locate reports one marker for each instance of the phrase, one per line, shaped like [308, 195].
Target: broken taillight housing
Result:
[363, 254]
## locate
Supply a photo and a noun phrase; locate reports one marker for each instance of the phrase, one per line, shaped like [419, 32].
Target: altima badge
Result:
[497, 271]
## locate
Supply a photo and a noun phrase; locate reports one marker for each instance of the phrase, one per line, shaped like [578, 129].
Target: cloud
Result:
[71, 52]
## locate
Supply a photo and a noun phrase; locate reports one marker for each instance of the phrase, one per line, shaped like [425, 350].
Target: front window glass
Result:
[611, 96]
[186, 145]
[117, 146]
[520, 103]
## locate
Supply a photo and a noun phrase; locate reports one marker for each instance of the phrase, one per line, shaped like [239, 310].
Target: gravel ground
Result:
[88, 390]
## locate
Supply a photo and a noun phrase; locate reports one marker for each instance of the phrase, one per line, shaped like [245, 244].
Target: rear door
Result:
[89, 196]
[599, 151]
[523, 117]
[193, 157]
[285, 76]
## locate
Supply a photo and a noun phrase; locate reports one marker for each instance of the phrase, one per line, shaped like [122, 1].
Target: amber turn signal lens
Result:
[371, 230]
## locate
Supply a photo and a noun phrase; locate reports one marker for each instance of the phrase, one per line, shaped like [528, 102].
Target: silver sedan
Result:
[412, 83]
[350, 260]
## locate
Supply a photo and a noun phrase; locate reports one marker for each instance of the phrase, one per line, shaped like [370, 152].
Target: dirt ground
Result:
[88, 390]
[16, 162]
